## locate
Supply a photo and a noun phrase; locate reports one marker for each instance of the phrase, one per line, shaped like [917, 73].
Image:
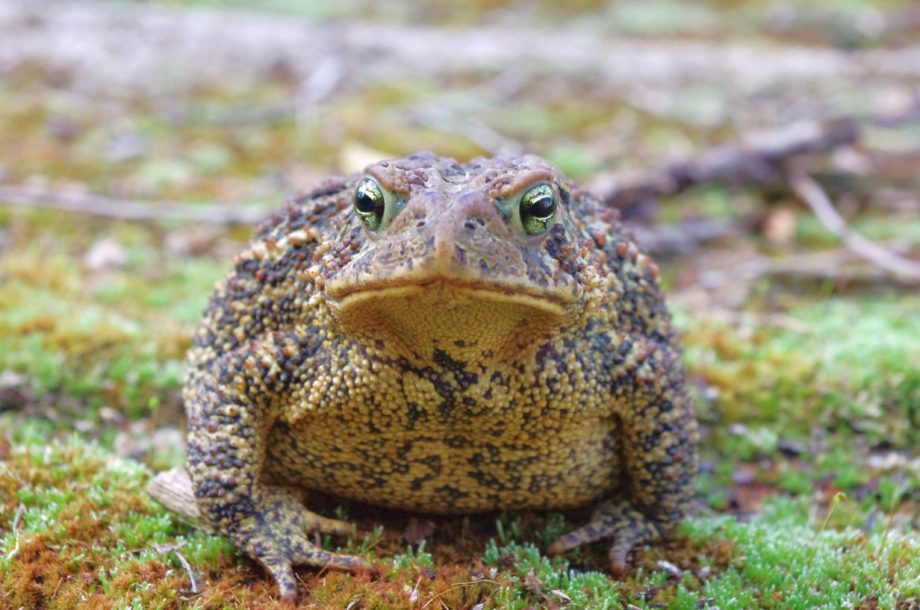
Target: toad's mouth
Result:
[445, 290]
[466, 319]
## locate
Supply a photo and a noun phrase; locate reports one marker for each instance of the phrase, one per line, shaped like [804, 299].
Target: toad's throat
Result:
[463, 320]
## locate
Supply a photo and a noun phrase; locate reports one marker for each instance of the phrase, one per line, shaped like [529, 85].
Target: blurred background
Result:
[141, 141]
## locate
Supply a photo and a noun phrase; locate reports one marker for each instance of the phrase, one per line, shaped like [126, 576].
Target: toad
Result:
[440, 337]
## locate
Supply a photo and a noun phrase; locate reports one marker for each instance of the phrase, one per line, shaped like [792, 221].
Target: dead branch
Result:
[812, 194]
[127, 209]
[17, 520]
[729, 286]
[163, 549]
[684, 237]
[757, 159]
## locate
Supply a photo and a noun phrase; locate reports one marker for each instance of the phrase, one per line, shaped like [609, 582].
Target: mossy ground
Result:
[809, 494]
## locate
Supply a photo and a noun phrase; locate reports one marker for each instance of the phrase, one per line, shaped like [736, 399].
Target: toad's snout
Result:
[466, 236]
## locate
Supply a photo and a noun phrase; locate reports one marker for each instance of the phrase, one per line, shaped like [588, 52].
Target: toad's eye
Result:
[369, 203]
[537, 208]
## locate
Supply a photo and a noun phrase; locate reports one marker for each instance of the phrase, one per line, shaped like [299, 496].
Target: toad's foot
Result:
[276, 536]
[616, 519]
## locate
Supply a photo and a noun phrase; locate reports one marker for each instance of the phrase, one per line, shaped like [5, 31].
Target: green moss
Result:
[113, 337]
[840, 362]
[536, 579]
[661, 17]
[413, 558]
[783, 562]
[85, 529]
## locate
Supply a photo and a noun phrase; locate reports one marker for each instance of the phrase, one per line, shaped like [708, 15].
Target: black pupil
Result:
[541, 206]
[366, 201]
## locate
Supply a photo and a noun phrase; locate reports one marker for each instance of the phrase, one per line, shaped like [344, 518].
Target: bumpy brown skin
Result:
[445, 362]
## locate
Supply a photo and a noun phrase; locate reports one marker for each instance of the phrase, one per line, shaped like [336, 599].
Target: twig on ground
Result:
[437, 596]
[128, 209]
[17, 518]
[683, 237]
[737, 317]
[758, 159]
[810, 192]
[720, 285]
[162, 549]
[835, 266]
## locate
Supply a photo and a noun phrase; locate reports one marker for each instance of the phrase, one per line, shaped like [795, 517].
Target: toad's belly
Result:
[451, 470]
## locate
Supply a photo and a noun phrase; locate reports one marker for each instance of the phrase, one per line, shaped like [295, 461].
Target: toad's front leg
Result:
[231, 403]
[659, 451]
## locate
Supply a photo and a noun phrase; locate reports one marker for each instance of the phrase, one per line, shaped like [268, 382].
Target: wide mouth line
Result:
[496, 289]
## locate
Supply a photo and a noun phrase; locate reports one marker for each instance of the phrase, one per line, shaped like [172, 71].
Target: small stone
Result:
[106, 253]
[670, 568]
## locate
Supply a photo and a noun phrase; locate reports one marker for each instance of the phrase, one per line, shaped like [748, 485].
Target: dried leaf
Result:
[417, 530]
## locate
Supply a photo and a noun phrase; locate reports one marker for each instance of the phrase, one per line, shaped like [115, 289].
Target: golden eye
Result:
[369, 203]
[537, 208]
